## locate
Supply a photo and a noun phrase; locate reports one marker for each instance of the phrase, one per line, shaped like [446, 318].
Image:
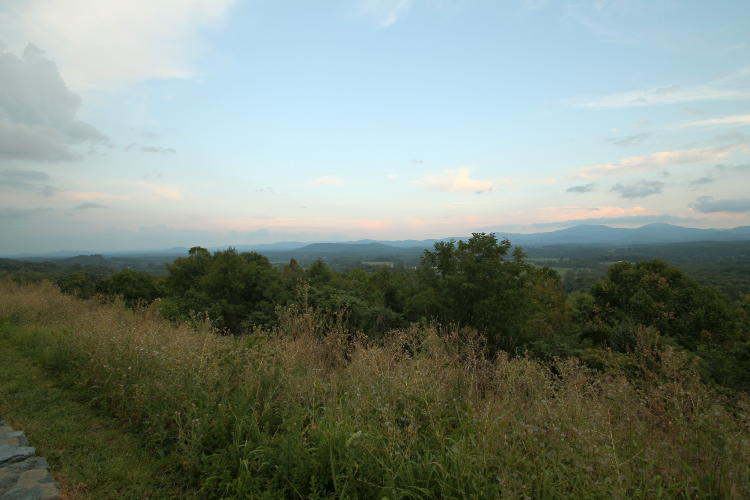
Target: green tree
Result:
[477, 283]
[236, 290]
[660, 296]
[655, 293]
[135, 287]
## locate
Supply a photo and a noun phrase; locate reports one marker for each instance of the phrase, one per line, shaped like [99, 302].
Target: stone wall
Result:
[23, 476]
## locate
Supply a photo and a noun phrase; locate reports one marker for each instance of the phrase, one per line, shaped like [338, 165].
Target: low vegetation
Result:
[309, 408]
[89, 453]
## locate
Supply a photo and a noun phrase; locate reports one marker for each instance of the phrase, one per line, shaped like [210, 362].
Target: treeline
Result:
[724, 265]
[483, 284]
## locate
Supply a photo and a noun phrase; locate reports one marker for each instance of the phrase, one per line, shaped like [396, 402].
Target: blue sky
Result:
[139, 124]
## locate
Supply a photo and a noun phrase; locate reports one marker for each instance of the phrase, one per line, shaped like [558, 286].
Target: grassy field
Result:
[312, 411]
[90, 455]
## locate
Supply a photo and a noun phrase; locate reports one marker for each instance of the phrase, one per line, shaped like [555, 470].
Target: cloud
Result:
[731, 87]
[86, 36]
[88, 206]
[638, 190]
[328, 180]
[387, 12]
[732, 136]
[157, 149]
[49, 191]
[658, 160]
[457, 180]
[718, 122]
[580, 189]
[22, 213]
[38, 112]
[733, 169]
[162, 190]
[24, 180]
[702, 180]
[631, 140]
[707, 204]
[24, 175]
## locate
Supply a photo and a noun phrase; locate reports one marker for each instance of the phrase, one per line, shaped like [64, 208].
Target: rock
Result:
[10, 454]
[28, 464]
[38, 492]
[13, 438]
[22, 475]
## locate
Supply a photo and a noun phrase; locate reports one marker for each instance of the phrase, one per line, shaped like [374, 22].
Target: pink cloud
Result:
[457, 180]
[658, 160]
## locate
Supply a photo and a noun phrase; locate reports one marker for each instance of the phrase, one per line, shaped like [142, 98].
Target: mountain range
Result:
[583, 235]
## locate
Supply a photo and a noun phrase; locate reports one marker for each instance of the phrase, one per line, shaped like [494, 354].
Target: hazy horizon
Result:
[146, 125]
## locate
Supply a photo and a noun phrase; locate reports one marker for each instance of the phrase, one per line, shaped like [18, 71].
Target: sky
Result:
[135, 124]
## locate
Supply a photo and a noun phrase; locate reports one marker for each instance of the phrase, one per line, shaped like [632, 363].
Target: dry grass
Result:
[312, 411]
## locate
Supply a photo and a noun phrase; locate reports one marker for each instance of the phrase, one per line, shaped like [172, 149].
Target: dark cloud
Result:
[22, 213]
[88, 206]
[733, 169]
[702, 180]
[631, 140]
[625, 219]
[49, 191]
[157, 149]
[721, 171]
[38, 112]
[24, 175]
[638, 190]
[707, 204]
[22, 180]
[580, 189]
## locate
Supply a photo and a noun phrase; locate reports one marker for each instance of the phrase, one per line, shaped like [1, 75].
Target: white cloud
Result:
[38, 112]
[457, 180]
[387, 12]
[84, 195]
[328, 180]
[721, 121]
[658, 160]
[162, 190]
[735, 86]
[104, 43]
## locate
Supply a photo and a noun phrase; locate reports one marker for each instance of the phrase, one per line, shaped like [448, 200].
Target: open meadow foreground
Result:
[309, 410]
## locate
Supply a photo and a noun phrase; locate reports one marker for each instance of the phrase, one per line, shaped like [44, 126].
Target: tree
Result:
[236, 290]
[655, 293]
[134, 287]
[475, 283]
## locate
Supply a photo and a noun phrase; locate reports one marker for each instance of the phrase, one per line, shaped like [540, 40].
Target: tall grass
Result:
[313, 411]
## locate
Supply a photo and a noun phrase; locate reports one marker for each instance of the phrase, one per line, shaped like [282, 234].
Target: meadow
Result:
[308, 409]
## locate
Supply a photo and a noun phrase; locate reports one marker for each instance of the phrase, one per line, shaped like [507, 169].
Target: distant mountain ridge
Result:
[598, 235]
[583, 235]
